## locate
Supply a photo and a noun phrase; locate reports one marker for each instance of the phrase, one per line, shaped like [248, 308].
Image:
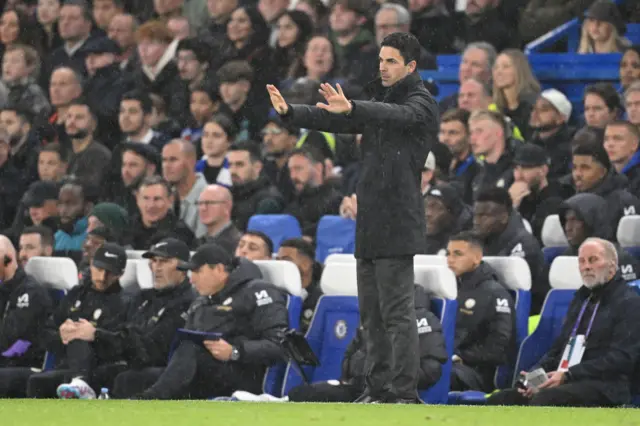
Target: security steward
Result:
[142, 343]
[24, 308]
[484, 336]
[100, 303]
[591, 362]
[248, 317]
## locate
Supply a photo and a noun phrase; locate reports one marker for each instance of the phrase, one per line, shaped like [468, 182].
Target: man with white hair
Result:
[592, 361]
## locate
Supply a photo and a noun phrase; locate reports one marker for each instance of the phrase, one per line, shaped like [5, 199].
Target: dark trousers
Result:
[388, 318]
[578, 394]
[464, 377]
[133, 382]
[324, 392]
[13, 381]
[195, 374]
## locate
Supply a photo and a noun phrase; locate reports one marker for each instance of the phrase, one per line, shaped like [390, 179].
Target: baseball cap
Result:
[559, 101]
[530, 155]
[208, 254]
[110, 257]
[169, 248]
[39, 192]
[102, 45]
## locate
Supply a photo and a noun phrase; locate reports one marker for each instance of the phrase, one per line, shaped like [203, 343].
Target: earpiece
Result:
[7, 260]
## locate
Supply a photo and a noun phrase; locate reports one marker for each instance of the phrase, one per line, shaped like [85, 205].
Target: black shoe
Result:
[403, 401]
[365, 398]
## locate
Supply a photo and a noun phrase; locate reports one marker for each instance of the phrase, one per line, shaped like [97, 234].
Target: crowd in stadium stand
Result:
[146, 125]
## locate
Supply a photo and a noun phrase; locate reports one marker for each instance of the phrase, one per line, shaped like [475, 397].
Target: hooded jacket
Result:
[170, 226]
[592, 210]
[255, 197]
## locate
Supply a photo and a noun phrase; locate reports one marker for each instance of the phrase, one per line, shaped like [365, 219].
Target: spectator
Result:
[193, 58]
[585, 216]
[314, 198]
[621, 140]
[12, 183]
[603, 29]
[214, 208]
[632, 103]
[485, 325]
[319, 61]
[271, 10]
[136, 109]
[482, 21]
[217, 135]
[24, 141]
[65, 87]
[454, 133]
[255, 245]
[252, 191]
[316, 9]
[47, 14]
[160, 122]
[122, 30]
[179, 26]
[295, 28]
[89, 159]
[515, 88]
[178, 168]
[74, 205]
[474, 95]
[155, 219]
[534, 194]
[105, 10]
[53, 163]
[602, 105]
[630, 67]
[432, 24]
[303, 255]
[220, 15]
[139, 161]
[40, 203]
[616, 326]
[17, 26]
[279, 140]
[204, 103]
[35, 241]
[445, 215]
[541, 16]
[96, 238]
[194, 11]
[549, 122]
[436, 167]
[112, 217]
[503, 234]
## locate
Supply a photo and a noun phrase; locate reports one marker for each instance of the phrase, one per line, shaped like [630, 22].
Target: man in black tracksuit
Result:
[142, 343]
[398, 127]
[585, 215]
[24, 308]
[485, 324]
[100, 303]
[433, 353]
[503, 234]
[602, 377]
[445, 215]
[249, 317]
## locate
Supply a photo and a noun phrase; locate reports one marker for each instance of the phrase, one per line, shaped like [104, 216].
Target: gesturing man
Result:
[398, 126]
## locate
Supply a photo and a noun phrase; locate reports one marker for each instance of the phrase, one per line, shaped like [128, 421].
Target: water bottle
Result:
[104, 393]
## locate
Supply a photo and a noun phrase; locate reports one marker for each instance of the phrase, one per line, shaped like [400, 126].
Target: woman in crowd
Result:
[603, 29]
[630, 67]
[217, 135]
[294, 30]
[47, 14]
[16, 26]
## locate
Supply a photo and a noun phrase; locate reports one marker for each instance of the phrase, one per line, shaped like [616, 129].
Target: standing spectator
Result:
[65, 87]
[621, 141]
[74, 205]
[602, 105]
[214, 209]
[35, 241]
[105, 10]
[47, 14]
[53, 163]
[122, 30]
[217, 135]
[603, 29]
[12, 183]
[630, 67]
[632, 103]
[541, 16]
[255, 245]
[431, 24]
[294, 31]
[454, 133]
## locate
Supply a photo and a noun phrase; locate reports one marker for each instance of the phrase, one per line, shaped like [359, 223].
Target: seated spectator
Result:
[104, 11]
[549, 123]
[35, 241]
[179, 27]
[252, 191]
[279, 140]
[178, 168]
[47, 15]
[621, 140]
[99, 302]
[515, 88]
[483, 21]
[160, 121]
[352, 382]
[632, 103]
[255, 245]
[316, 9]
[303, 255]
[601, 376]
[96, 238]
[219, 16]
[534, 194]
[24, 308]
[12, 184]
[474, 95]
[155, 216]
[217, 135]
[110, 216]
[431, 24]
[593, 173]
[53, 163]
[39, 207]
[136, 110]
[122, 29]
[602, 105]
[74, 205]
[248, 312]
[65, 87]
[24, 141]
[319, 63]
[445, 215]
[585, 216]
[214, 208]
[541, 16]
[204, 102]
[503, 234]
[139, 161]
[454, 133]
[314, 197]
[193, 58]
[436, 167]
[195, 12]
[485, 325]
[630, 67]
[141, 344]
[295, 28]
[603, 29]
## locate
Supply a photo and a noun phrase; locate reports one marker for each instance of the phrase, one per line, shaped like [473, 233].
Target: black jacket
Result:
[313, 203]
[26, 159]
[488, 26]
[227, 239]
[25, 306]
[485, 323]
[399, 126]
[433, 30]
[255, 197]
[464, 221]
[558, 147]
[141, 237]
[12, 187]
[536, 206]
[145, 338]
[515, 240]
[499, 174]
[613, 345]
[311, 296]
[462, 176]
[280, 178]
[433, 352]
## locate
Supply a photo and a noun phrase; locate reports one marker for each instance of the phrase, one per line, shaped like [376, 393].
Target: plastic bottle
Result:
[104, 393]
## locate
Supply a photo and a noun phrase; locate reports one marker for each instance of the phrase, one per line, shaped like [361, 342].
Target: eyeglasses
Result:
[272, 131]
[208, 203]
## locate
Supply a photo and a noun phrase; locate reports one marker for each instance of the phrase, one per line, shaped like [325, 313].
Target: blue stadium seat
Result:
[633, 33]
[335, 234]
[278, 227]
[629, 234]
[553, 238]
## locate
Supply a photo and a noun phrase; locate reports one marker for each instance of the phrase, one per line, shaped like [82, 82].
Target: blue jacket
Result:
[73, 241]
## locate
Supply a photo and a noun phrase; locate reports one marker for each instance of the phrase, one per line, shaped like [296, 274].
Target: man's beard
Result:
[599, 279]
[79, 134]
[545, 127]
[15, 139]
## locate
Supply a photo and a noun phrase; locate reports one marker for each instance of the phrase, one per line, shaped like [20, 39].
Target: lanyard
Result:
[593, 316]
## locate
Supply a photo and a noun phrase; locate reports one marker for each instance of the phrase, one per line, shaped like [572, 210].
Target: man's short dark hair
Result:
[595, 151]
[303, 246]
[82, 101]
[406, 43]
[469, 237]
[46, 235]
[608, 93]
[496, 195]
[157, 180]
[309, 152]
[265, 238]
[209, 88]
[142, 97]
[58, 149]
[456, 114]
[235, 71]
[251, 147]
[22, 113]
[82, 4]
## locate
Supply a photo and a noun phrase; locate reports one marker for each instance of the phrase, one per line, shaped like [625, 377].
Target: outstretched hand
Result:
[337, 102]
[277, 100]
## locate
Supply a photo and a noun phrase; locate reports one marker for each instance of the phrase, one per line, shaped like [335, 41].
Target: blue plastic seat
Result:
[278, 227]
[335, 234]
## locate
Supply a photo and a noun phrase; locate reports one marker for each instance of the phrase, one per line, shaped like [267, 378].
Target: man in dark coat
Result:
[398, 127]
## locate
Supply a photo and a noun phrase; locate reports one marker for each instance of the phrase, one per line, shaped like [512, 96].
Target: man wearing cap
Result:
[445, 214]
[98, 303]
[549, 122]
[246, 313]
[39, 206]
[535, 196]
[140, 346]
[95, 239]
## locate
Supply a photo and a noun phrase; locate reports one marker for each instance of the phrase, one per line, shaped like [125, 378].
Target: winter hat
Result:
[559, 101]
[607, 11]
[112, 216]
